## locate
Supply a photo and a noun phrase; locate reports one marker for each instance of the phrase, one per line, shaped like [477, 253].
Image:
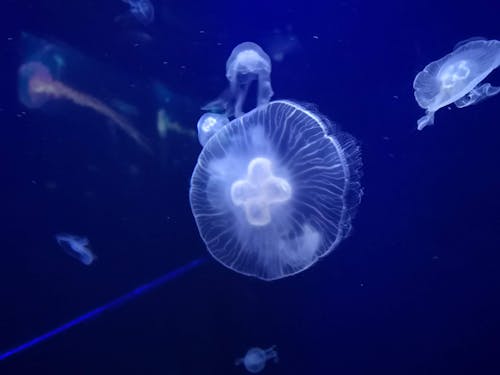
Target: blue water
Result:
[413, 290]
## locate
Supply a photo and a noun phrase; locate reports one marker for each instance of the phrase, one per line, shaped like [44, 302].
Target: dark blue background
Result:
[414, 290]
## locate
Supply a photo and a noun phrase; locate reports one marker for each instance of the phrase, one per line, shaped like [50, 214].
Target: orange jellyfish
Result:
[37, 86]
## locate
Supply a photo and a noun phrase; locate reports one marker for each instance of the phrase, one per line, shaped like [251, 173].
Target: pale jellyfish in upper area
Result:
[255, 359]
[275, 190]
[77, 247]
[455, 78]
[247, 63]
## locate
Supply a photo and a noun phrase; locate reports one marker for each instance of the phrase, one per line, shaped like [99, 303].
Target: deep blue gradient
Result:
[107, 306]
[414, 289]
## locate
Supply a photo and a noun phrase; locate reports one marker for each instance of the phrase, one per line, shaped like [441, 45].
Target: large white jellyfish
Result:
[255, 359]
[247, 63]
[275, 190]
[455, 78]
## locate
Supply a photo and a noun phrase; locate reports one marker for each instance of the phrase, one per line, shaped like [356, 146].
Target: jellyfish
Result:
[77, 247]
[456, 78]
[255, 359]
[209, 124]
[37, 86]
[247, 63]
[142, 10]
[275, 190]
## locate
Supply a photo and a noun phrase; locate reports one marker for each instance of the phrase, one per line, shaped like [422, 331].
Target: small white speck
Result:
[202, 31]
[395, 97]
[165, 62]
[315, 37]
[10, 38]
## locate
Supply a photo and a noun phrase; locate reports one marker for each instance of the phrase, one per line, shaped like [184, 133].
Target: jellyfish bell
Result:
[247, 63]
[456, 78]
[255, 359]
[275, 190]
[209, 124]
[33, 78]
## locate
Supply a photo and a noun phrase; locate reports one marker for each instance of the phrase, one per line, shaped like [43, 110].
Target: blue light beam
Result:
[107, 306]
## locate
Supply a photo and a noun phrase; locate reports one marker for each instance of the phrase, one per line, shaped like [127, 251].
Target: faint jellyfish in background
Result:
[281, 43]
[246, 64]
[142, 10]
[275, 190]
[165, 125]
[77, 247]
[456, 78]
[37, 86]
[255, 359]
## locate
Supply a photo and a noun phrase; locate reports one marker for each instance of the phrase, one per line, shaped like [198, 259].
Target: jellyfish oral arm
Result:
[265, 92]
[427, 119]
[477, 94]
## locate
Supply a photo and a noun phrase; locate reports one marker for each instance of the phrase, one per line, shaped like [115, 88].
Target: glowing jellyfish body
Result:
[275, 190]
[209, 124]
[77, 247]
[37, 86]
[255, 359]
[455, 78]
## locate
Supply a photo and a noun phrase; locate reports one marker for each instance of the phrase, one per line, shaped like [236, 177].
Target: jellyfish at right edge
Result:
[37, 86]
[275, 190]
[247, 63]
[456, 78]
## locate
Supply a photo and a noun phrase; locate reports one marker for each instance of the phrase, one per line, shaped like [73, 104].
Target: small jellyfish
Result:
[77, 247]
[255, 359]
[275, 190]
[142, 10]
[209, 124]
[456, 78]
[37, 86]
[247, 63]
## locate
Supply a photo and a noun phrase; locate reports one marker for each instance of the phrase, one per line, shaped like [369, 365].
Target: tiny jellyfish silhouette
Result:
[77, 247]
[247, 63]
[456, 78]
[209, 124]
[142, 10]
[255, 359]
[275, 190]
[37, 86]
